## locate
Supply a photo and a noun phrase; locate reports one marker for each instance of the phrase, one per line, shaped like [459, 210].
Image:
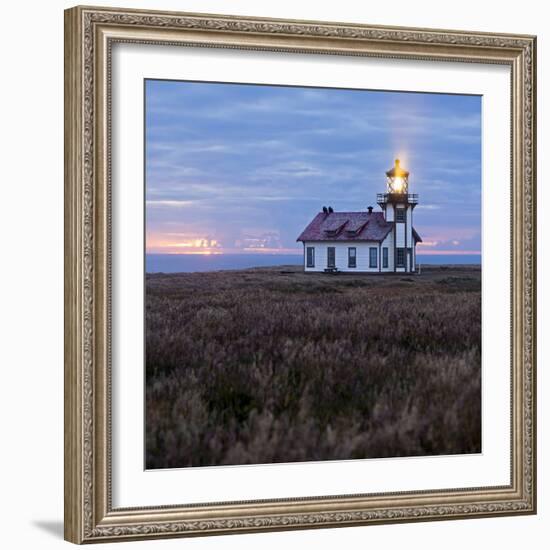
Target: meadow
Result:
[275, 365]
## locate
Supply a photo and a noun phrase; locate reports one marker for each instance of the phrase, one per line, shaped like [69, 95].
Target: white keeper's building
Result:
[369, 242]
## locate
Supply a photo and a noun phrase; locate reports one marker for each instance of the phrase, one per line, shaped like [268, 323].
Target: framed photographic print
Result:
[300, 274]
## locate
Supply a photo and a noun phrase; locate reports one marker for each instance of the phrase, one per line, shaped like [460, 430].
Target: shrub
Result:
[266, 366]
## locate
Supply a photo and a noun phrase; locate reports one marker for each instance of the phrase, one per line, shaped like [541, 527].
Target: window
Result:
[385, 257]
[373, 257]
[310, 252]
[331, 256]
[400, 257]
[352, 257]
[400, 214]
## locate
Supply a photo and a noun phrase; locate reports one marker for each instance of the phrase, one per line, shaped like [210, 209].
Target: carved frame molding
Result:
[89, 35]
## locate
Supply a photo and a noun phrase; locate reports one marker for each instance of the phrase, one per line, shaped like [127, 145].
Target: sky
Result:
[236, 168]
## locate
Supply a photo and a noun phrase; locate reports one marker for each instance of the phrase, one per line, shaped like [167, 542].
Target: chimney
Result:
[325, 210]
[370, 209]
[330, 210]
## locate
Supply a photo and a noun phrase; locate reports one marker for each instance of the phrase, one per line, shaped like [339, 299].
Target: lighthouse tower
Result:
[398, 205]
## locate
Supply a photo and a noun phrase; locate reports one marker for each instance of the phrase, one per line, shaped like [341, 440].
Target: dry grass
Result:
[274, 365]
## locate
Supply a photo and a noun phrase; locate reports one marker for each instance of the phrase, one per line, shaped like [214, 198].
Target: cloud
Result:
[428, 207]
[220, 157]
[294, 169]
[169, 203]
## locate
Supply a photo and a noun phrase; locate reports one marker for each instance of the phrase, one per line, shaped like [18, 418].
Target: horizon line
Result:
[300, 253]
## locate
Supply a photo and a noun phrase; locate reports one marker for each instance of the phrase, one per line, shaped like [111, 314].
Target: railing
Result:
[411, 198]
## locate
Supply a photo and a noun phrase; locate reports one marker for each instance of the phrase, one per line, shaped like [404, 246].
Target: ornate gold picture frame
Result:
[90, 34]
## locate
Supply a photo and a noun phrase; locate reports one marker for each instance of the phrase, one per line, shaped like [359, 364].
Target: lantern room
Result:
[397, 188]
[397, 179]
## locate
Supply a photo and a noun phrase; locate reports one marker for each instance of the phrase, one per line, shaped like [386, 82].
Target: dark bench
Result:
[331, 270]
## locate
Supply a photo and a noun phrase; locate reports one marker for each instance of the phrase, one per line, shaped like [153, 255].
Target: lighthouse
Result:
[366, 241]
[398, 206]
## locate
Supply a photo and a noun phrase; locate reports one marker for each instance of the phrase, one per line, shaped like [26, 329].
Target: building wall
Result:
[399, 234]
[389, 212]
[409, 239]
[388, 243]
[403, 237]
[341, 250]
[411, 243]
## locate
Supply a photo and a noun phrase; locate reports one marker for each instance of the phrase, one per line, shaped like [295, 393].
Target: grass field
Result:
[274, 365]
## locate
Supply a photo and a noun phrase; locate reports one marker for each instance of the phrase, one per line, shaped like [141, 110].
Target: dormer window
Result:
[333, 229]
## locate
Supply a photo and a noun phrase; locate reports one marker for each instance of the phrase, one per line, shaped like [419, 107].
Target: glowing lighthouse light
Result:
[397, 179]
[398, 184]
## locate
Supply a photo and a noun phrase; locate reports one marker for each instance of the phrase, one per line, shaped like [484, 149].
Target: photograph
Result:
[312, 274]
[300, 272]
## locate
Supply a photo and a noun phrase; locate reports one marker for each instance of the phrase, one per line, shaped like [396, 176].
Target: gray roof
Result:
[348, 226]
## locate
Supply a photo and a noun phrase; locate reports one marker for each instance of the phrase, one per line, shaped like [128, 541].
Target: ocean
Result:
[177, 263]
